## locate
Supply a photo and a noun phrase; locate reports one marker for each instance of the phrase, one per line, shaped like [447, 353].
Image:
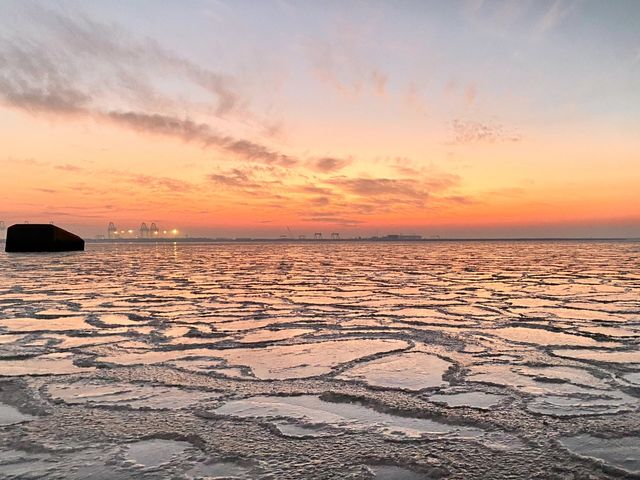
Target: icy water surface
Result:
[455, 360]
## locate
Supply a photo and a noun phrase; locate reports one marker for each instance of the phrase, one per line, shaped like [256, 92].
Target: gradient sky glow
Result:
[226, 118]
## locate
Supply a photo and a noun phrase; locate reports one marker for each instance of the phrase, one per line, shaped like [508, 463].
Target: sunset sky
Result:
[268, 118]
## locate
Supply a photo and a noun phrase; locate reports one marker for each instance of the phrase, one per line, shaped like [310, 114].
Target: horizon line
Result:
[348, 239]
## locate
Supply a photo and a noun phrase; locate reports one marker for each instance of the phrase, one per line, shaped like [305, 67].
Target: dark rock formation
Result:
[41, 238]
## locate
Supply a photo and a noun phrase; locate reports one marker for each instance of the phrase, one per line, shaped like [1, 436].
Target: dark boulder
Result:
[41, 238]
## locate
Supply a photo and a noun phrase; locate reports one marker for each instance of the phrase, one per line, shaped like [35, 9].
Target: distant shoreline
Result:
[359, 240]
[349, 240]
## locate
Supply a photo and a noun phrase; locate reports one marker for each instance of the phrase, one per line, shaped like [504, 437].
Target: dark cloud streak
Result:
[191, 131]
[36, 75]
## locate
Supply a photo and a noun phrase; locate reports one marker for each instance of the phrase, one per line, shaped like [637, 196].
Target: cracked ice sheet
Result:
[437, 296]
[272, 362]
[10, 415]
[410, 371]
[539, 336]
[311, 413]
[273, 335]
[622, 452]
[49, 364]
[627, 356]
[43, 325]
[128, 395]
[559, 391]
[308, 359]
[311, 410]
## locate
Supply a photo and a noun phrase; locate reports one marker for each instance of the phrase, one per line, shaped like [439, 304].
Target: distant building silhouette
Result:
[402, 237]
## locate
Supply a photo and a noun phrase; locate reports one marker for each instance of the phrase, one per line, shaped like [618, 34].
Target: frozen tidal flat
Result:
[348, 361]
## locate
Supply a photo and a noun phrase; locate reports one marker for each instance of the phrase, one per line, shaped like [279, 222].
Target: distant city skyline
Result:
[469, 119]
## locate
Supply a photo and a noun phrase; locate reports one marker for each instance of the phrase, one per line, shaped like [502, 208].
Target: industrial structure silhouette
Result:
[143, 231]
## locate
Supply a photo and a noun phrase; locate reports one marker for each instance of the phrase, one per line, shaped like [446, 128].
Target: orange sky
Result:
[322, 121]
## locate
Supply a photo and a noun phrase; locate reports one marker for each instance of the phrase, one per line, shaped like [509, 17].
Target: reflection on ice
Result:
[311, 410]
[10, 415]
[587, 403]
[45, 325]
[559, 391]
[149, 357]
[306, 360]
[633, 378]
[155, 452]
[628, 356]
[130, 395]
[51, 364]
[543, 337]
[410, 371]
[20, 464]
[570, 314]
[218, 470]
[392, 472]
[611, 331]
[273, 335]
[291, 429]
[212, 366]
[623, 452]
[479, 400]
[118, 320]
[68, 341]
[10, 338]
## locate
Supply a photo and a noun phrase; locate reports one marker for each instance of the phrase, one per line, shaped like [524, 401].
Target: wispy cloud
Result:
[320, 201]
[25, 162]
[530, 17]
[235, 178]
[465, 132]
[329, 164]
[51, 96]
[459, 199]
[379, 81]
[555, 15]
[253, 184]
[341, 65]
[332, 219]
[191, 131]
[72, 49]
[313, 189]
[396, 191]
[121, 181]
[470, 94]
[67, 101]
[381, 186]
[161, 183]
[54, 72]
[67, 167]
[413, 100]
